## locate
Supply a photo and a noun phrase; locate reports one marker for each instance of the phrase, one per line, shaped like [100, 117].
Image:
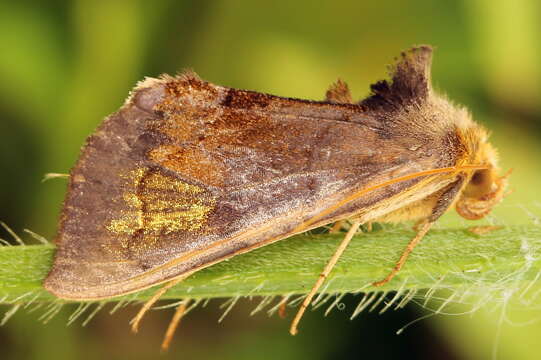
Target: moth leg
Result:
[137, 319]
[337, 226]
[175, 321]
[483, 230]
[352, 230]
[411, 245]
[341, 224]
[443, 202]
[282, 307]
[368, 226]
[418, 225]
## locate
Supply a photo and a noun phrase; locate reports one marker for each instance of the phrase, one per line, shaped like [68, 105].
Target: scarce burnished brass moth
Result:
[187, 174]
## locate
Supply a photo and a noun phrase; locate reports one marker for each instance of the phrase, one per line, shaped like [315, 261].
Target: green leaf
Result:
[455, 259]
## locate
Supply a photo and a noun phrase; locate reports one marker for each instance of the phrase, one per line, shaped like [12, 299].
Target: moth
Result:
[187, 174]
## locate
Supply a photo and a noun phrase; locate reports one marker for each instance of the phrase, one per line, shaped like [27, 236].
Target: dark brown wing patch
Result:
[410, 82]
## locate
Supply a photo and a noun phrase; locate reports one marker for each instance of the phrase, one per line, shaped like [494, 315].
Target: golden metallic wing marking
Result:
[159, 204]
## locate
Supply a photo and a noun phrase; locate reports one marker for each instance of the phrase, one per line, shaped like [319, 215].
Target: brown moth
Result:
[187, 174]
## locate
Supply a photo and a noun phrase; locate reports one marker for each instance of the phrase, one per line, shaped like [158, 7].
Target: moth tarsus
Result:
[188, 174]
[423, 229]
[483, 230]
[323, 275]
[175, 321]
[282, 307]
[148, 304]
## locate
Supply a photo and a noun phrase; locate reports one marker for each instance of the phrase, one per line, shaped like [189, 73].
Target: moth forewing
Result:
[187, 174]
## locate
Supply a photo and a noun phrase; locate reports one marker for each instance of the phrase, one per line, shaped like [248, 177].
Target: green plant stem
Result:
[448, 258]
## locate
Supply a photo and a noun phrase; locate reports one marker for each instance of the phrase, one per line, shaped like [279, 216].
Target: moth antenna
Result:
[137, 319]
[423, 229]
[368, 189]
[328, 268]
[175, 321]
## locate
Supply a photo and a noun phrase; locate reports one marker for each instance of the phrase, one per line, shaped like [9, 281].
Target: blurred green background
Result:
[64, 65]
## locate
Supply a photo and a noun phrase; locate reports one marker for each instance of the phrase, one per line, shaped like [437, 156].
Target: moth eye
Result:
[479, 177]
[480, 184]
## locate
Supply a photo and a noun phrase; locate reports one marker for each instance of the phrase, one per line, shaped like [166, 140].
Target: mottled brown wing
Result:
[188, 173]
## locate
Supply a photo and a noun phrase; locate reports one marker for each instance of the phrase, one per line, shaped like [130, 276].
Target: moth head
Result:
[485, 188]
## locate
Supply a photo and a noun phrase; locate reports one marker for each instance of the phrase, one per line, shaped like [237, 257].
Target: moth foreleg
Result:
[444, 200]
[323, 275]
[175, 321]
[137, 319]
[283, 307]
